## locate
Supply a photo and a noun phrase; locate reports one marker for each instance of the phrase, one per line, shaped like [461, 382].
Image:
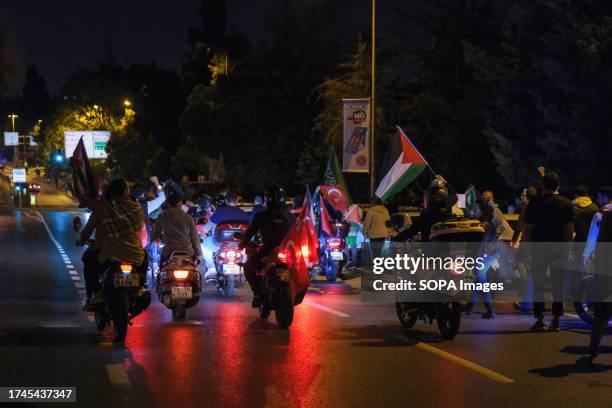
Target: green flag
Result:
[470, 199]
[333, 174]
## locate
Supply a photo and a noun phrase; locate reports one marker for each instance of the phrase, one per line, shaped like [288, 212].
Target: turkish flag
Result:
[299, 280]
[308, 232]
[325, 219]
[336, 196]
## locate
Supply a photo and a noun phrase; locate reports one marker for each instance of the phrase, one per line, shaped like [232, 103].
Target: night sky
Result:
[61, 36]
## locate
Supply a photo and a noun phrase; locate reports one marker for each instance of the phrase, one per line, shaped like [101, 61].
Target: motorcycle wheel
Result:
[331, 270]
[584, 310]
[101, 320]
[406, 317]
[120, 314]
[283, 309]
[228, 290]
[179, 312]
[450, 319]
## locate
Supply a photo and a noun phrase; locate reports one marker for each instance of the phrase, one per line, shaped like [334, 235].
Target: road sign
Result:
[19, 176]
[11, 139]
[95, 142]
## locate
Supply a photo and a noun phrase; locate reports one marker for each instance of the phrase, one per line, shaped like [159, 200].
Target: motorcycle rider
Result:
[177, 230]
[117, 221]
[230, 212]
[273, 224]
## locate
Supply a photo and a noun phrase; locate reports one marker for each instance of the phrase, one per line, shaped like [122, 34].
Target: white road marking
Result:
[73, 272]
[327, 309]
[117, 374]
[75, 278]
[91, 319]
[79, 285]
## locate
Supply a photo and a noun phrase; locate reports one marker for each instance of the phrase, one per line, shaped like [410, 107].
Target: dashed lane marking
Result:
[75, 278]
[117, 374]
[327, 309]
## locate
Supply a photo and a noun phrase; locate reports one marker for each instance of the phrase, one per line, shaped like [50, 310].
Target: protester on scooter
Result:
[177, 230]
[435, 210]
[273, 223]
[259, 206]
[229, 212]
[118, 221]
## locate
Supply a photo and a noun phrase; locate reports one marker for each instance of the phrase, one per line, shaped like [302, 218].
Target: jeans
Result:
[92, 269]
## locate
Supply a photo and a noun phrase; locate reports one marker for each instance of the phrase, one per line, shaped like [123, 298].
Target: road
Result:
[339, 352]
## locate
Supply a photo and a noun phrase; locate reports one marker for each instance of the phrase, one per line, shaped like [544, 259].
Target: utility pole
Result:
[373, 106]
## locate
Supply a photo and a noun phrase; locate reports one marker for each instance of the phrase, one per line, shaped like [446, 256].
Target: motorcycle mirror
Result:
[77, 224]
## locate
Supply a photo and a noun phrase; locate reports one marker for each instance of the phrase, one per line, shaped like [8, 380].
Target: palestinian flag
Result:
[81, 170]
[408, 166]
[333, 174]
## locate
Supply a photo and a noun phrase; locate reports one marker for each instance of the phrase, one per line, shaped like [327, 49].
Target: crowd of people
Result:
[129, 223]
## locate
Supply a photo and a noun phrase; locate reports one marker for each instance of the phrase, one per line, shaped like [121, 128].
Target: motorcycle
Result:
[125, 297]
[447, 313]
[179, 284]
[229, 258]
[275, 292]
[332, 258]
[123, 290]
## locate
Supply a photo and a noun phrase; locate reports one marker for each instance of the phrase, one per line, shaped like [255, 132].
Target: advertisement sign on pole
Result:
[11, 139]
[95, 142]
[19, 175]
[356, 141]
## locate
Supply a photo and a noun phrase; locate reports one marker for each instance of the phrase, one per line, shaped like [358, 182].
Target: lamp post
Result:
[373, 106]
[12, 116]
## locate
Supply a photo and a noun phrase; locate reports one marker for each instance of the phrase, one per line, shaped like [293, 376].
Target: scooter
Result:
[179, 284]
[447, 314]
[125, 298]
[229, 258]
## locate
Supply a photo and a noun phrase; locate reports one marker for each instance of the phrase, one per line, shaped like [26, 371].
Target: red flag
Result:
[310, 242]
[325, 219]
[299, 281]
[336, 196]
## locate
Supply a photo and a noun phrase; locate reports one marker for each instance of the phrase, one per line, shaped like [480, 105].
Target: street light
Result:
[127, 103]
[12, 116]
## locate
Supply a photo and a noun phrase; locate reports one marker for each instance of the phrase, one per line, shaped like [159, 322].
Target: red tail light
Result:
[180, 274]
[228, 227]
[230, 255]
[334, 244]
[283, 255]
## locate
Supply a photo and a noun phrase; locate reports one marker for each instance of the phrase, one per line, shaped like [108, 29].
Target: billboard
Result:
[11, 139]
[95, 142]
[19, 175]
[356, 145]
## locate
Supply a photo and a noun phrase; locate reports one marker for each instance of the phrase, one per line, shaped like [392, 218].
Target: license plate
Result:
[337, 255]
[126, 280]
[181, 292]
[231, 269]
[283, 274]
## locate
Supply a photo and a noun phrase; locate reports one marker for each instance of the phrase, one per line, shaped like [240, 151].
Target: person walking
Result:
[549, 222]
[523, 261]
[375, 225]
[598, 245]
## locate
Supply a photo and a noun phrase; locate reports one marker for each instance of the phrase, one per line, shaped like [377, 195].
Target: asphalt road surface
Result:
[339, 352]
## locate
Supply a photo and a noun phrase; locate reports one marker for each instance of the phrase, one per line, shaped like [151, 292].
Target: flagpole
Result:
[373, 106]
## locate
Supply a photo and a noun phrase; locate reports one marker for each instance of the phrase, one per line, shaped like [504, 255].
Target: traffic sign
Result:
[19, 176]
